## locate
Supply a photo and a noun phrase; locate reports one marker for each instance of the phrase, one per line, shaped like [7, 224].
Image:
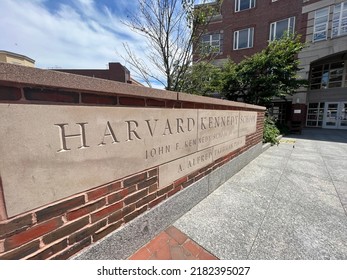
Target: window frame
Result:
[250, 35]
[238, 5]
[339, 20]
[315, 25]
[326, 74]
[210, 45]
[273, 27]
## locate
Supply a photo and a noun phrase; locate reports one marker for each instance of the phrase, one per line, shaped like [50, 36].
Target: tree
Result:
[265, 75]
[256, 79]
[171, 29]
[201, 78]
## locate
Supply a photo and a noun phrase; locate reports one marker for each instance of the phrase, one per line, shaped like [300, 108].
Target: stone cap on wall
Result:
[11, 74]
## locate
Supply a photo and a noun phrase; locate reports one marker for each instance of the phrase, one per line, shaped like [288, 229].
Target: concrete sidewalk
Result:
[289, 203]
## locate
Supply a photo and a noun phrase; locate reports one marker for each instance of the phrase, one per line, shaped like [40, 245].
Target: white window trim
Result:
[343, 7]
[238, 4]
[326, 25]
[210, 42]
[236, 38]
[273, 27]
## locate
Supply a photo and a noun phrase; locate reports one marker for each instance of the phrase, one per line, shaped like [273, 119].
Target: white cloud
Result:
[79, 35]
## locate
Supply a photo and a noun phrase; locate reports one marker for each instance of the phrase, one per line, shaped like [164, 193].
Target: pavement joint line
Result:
[269, 204]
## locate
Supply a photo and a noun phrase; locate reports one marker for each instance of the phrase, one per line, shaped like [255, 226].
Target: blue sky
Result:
[69, 33]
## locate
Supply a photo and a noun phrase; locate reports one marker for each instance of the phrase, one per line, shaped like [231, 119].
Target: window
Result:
[243, 39]
[339, 20]
[327, 76]
[315, 113]
[211, 43]
[320, 29]
[278, 28]
[241, 5]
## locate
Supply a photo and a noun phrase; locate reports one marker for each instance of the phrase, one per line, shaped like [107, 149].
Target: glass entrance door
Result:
[343, 116]
[335, 115]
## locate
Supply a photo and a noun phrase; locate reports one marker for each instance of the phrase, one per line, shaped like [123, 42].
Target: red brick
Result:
[52, 250]
[114, 186]
[134, 214]
[106, 211]
[189, 105]
[199, 106]
[186, 184]
[112, 198]
[10, 93]
[132, 101]
[66, 230]
[152, 173]
[135, 197]
[176, 234]
[157, 201]
[21, 252]
[86, 232]
[134, 179]
[208, 106]
[146, 200]
[78, 213]
[158, 242]
[128, 209]
[174, 191]
[102, 233]
[180, 181]
[98, 99]
[153, 188]
[147, 183]
[59, 208]
[15, 225]
[164, 190]
[51, 95]
[192, 247]
[193, 175]
[72, 250]
[97, 193]
[155, 103]
[32, 233]
[173, 104]
[115, 217]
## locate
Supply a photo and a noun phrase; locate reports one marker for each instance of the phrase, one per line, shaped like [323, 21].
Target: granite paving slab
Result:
[289, 203]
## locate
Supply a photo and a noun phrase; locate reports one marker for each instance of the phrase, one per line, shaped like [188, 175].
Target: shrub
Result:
[270, 132]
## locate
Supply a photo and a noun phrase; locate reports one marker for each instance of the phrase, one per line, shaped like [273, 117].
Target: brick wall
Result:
[61, 229]
[260, 17]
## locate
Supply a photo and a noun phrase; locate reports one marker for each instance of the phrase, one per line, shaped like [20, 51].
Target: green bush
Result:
[270, 132]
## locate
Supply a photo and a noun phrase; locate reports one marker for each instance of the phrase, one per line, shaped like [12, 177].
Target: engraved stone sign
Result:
[49, 152]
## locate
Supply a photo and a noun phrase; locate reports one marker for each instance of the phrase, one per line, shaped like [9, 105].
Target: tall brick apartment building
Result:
[245, 27]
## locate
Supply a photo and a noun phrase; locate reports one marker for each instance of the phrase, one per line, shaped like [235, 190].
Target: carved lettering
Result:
[191, 124]
[108, 132]
[64, 136]
[151, 130]
[132, 131]
[203, 126]
[167, 127]
[179, 125]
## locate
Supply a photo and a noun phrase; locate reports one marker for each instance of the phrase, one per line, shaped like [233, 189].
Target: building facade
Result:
[15, 58]
[115, 72]
[245, 27]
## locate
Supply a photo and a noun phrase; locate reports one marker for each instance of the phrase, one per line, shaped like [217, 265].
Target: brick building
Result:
[244, 27]
[115, 72]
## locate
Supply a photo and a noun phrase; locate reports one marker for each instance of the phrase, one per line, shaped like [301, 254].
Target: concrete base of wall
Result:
[128, 239]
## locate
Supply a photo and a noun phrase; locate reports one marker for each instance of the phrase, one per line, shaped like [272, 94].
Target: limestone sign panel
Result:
[49, 152]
